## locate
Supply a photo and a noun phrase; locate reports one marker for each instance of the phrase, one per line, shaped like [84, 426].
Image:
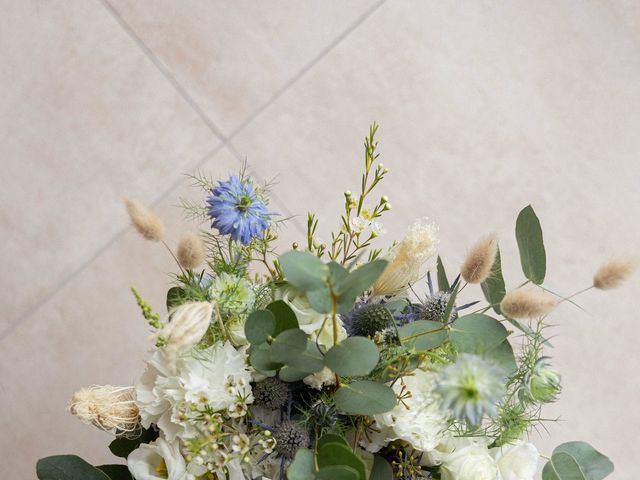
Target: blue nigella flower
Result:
[236, 210]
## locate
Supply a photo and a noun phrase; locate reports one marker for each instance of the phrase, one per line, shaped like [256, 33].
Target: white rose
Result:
[473, 462]
[158, 460]
[518, 461]
[318, 325]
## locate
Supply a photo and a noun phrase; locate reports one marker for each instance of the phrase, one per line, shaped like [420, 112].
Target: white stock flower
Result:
[517, 461]
[158, 460]
[172, 394]
[470, 462]
[317, 325]
[419, 419]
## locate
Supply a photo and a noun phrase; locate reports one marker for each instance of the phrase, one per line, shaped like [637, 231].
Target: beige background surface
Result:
[485, 106]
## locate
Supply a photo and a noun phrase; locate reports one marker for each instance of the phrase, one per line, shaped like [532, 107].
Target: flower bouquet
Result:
[337, 360]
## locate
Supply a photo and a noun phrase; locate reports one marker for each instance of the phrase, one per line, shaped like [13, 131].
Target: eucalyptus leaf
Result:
[493, 287]
[533, 257]
[284, 316]
[443, 282]
[116, 472]
[365, 397]
[338, 472]
[67, 467]
[422, 335]
[310, 361]
[303, 466]
[260, 359]
[381, 469]
[339, 454]
[503, 356]
[331, 438]
[477, 333]
[260, 325]
[291, 374]
[360, 279]
[288, 344]
[353, 357]
[122, 447]
[304, 270]
[337, 273]
[577, 461]
[320, 299]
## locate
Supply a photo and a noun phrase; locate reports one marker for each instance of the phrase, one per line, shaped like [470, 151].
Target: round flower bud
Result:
[365, 321]
[271, 393]
[543, 384]
[290, 437]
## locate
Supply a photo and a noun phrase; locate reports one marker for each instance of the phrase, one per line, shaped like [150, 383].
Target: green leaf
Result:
[174, 297]
[320, 299]
[260, 359]
[531, 245]
[360, 279]
[302, 467]
[365, 398]
[122, 447]
[288, 344]
[577, 461]
[310, 361]
[338, 472]
[337, 273]
[493, 287]
[381, 469]
[291, 374]
[503, 356]
[304, 270]
[446, 316]
[477, 333]
[338, 454]
[260, 325]
[285, 317]
[443, 282]
[353, 357]
[67, 467]
[331, 438]
[116, 472]
[426, 334]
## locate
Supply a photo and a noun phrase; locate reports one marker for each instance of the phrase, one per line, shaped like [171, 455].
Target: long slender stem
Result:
[334, 321]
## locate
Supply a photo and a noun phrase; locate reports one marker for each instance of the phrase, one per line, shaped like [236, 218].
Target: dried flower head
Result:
[271, 393]
[290, 436]
[614, 273]
[526, 303]
[112, 409]
[146, 222]
[407, 259]
[476, 267]
[191, 251]
[189, 322]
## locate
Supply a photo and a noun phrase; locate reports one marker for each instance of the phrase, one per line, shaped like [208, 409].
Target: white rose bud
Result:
[517, 461]
[469, 463]
[189, 322]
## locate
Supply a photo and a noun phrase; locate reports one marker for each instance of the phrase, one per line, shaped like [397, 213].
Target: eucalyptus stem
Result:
[334, 321]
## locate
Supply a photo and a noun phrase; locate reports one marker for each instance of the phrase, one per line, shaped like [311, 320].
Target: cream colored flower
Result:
[112, 409]
[158, 460]
[407, 259]
[517, 461]
[189, 322]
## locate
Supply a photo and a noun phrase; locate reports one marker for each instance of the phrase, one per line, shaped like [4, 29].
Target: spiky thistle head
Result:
[471, 387]
[320, 417]
[112, 409]
[290, 436]
[366, 320]
[145, 221]
[271, 393]
[434, 306]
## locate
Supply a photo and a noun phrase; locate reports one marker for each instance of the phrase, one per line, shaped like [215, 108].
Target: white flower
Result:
[158, 460]
[233, 294]
[419, 419]
[317, 325]
[518, 461]
[323, 378]
[174, 394]
[189, 322]
[365, 221]
[407, 259]
[471, 462]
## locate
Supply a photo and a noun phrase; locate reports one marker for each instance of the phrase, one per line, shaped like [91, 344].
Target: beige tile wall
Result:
[484, 106]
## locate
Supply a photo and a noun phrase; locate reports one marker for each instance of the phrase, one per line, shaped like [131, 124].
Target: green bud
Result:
[543, 384]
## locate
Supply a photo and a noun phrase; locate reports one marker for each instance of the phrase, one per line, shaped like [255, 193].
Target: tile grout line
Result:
[225, 141]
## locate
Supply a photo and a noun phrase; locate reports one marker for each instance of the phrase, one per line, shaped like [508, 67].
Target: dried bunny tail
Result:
[476, 267]
[145, 221]
[191, 251]
[612, 274]
[525, 303]
[112, 409]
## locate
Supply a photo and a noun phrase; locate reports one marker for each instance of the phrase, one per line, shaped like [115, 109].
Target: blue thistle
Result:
[236, 210]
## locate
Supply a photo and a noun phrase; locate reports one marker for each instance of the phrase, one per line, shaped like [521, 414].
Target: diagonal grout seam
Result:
[225, 141]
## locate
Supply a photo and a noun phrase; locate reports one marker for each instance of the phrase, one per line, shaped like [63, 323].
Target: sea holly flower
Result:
[235, 209]
[471, 387]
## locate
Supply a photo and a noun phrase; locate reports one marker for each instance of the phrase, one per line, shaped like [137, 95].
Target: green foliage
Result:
[477, 333]
[531, 245]
[381, 470]
[287, 345]
[353, 357]
[152, 318]
[303, 466]
[260, 359]
[493, 287]
[577, 461]
[337, 454]
[116, 472]
[284, 316]
[359, 280]
[422, 335]
[365, 397]
[309, 361]
[503, 356]
[443, 282]
[67, 467]
[260, 326]
[122, 447]
[304, 270]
